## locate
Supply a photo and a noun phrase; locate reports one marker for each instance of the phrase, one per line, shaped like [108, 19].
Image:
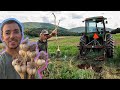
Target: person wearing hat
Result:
[44, 36]
[11, 34]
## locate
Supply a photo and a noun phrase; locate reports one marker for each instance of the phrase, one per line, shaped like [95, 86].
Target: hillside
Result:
[34, 28]
[81, 29]
[29, 25]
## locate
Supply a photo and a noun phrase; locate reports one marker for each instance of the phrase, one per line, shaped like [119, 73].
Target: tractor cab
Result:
[95, 28]
[95, 24]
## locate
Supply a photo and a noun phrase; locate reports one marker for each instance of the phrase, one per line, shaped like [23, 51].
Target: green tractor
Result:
[96, 38]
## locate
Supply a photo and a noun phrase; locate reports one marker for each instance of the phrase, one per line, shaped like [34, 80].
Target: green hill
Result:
[82, 29]
[77, 29]
[29, 25]
[34, 28]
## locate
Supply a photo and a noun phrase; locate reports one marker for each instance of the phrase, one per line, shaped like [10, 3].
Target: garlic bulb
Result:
[40, 62]
[28, 59]
[29, 71]
[23, 68]
[24, 47]
[31, 54]
[31, 68]
[17, 61]
[18, 68]
[43, 55]
[58, 49]
[32, 47]
[34, 71]
[14, 62]
[22, 53]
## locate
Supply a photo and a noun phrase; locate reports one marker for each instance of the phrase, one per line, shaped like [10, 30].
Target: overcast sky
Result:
[69, 19]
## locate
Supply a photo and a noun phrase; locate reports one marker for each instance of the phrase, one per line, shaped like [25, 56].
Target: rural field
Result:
[67, 65]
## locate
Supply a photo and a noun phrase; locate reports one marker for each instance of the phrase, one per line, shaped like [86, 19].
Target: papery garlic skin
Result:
[28, 64]
[14, 62]
[32, 47]
[23, 68]
[24, 47]
[31, 68]
[22, 53]
[29, 71]
[40, 62]
[34, 71]
[31, 54]
[18, 68]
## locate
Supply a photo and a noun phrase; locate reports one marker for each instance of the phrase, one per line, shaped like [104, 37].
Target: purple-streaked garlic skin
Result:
[32, 47]
[43, 55]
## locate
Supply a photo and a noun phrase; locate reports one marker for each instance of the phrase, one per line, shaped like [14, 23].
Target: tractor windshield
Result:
[94, 26]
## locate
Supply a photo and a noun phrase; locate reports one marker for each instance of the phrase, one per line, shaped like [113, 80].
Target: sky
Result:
[68, 19]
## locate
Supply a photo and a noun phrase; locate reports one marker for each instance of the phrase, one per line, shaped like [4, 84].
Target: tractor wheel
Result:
[109, 46]
[82, 44]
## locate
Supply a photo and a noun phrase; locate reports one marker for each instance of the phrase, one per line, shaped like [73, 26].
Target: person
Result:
[11, 34]
[43, 39]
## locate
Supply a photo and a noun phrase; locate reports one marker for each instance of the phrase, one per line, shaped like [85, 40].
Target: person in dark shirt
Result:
[43, 39]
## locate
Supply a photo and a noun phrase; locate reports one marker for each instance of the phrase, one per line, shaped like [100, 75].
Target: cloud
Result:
[46, 20]
[69, 19]
[76, 16]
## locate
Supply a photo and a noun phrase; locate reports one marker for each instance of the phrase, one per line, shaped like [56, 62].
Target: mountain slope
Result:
[29, 25]
[34, 29]
[82, 29]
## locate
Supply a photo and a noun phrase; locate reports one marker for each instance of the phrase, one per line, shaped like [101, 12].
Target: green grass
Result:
[65, 67]
[67, 70]
[115, 61]
[116, 36]
[68, 46]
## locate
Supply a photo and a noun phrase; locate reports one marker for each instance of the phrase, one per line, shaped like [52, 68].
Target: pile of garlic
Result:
[29, 60]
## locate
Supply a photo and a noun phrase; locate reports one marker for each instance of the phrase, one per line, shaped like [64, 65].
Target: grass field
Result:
[65, 67]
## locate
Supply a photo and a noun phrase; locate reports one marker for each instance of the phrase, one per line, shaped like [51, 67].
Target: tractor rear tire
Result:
[82, 44]
[109, 46]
